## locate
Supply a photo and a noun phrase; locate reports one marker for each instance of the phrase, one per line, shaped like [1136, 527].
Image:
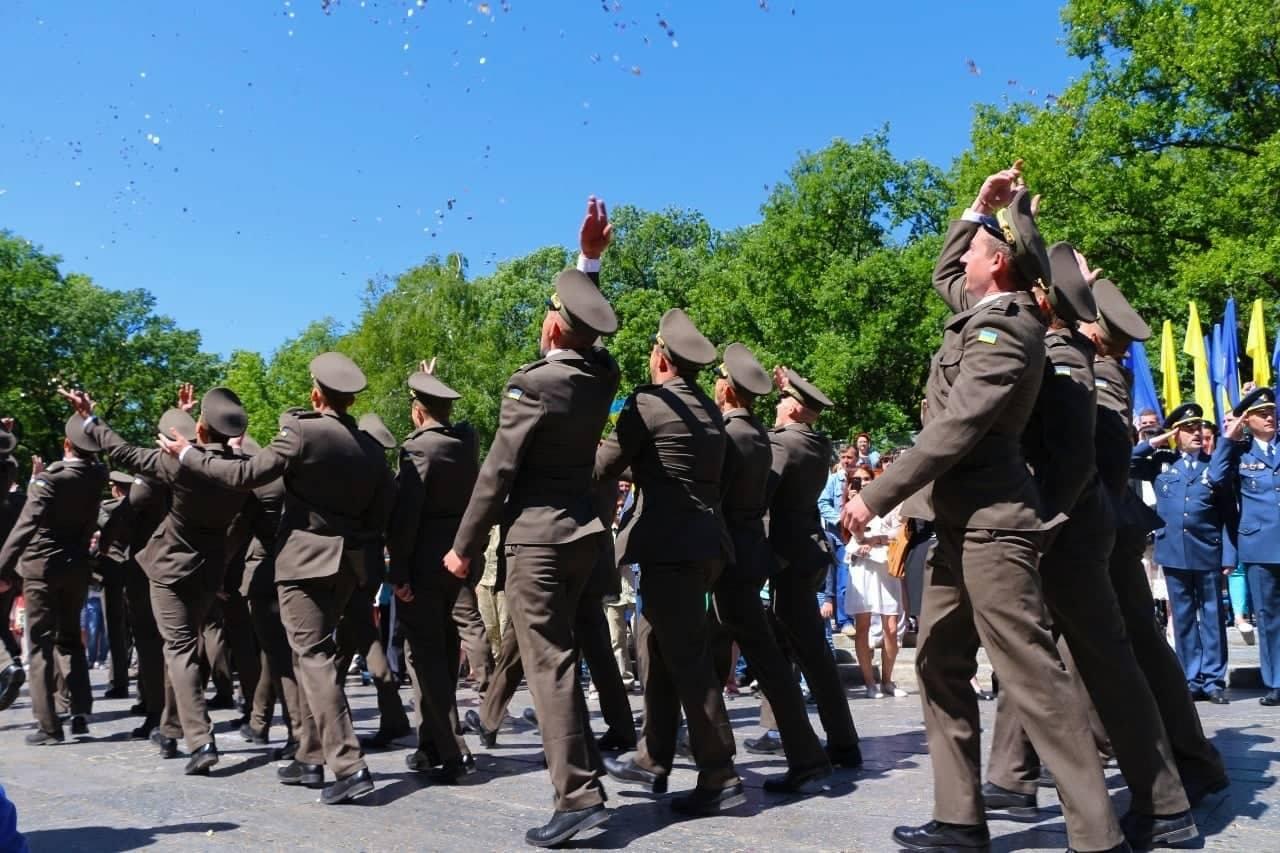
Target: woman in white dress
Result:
[873, 592]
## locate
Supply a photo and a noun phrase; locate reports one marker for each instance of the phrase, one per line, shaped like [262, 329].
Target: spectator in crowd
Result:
[94, 628]
[493, 601]
[865, 455]
[830, 502]
[619, 609]
[873, 592]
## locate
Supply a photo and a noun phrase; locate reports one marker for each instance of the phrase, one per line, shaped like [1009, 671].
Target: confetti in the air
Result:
[973, 68]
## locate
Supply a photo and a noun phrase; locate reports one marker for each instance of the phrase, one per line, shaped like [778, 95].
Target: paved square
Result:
[106, 793]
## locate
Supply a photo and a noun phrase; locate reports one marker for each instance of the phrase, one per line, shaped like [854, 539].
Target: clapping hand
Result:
[998, 189]
[596, 231]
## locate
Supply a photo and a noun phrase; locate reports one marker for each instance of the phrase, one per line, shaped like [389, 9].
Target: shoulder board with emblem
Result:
[988, 336]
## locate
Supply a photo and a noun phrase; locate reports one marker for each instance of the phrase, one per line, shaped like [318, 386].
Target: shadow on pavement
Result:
[107, 839]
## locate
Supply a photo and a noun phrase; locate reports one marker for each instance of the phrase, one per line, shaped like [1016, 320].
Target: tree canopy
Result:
[1161, 163]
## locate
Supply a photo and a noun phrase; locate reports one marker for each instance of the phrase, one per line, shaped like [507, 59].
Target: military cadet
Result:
[982, 585]
[115, 529]
[1117, 326]
[261, 519]
[1253, 459]
[1193, 497]
[538, 479]
[338, 494]
[357, 634]
[802, 555]
[12, 673]
[739, 613]
[671, 436]
[439, 462]
[149, 504]
[1060, 445]
[186, 557]
[48, 548]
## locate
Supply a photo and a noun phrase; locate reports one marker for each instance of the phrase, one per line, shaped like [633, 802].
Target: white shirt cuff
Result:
[971, 215]
[586, 264]
[183, 453]
[91, 419]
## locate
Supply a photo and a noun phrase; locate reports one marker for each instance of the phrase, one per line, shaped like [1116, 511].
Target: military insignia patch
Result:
[44, 483]
[1061, 370]
[1101, 383]
[514, 394]
[988, 336]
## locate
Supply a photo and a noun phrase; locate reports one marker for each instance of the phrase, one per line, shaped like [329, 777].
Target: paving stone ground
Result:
[106, 793]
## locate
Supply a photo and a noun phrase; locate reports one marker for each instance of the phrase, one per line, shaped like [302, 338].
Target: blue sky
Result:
[253, 163]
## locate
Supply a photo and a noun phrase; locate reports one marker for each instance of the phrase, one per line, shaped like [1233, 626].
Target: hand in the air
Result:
[596, 231]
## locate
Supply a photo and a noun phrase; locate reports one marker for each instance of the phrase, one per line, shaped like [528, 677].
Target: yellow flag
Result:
[1193, 345]
[1255, 346]
[1169, 369]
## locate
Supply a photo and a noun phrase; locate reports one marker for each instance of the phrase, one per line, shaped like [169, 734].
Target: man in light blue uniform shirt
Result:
[1193, 497]
[1254, 461]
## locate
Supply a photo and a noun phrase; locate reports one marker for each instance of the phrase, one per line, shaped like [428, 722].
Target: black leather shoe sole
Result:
[590, 820]
[762, 746]
[949, 839]
[1144, 832]
[14, 678]
[995, 798]
[307, 777]
[472, 723]
[805, 782]
[703, 803]
[200, 762]
[628, 771]
[345, 790]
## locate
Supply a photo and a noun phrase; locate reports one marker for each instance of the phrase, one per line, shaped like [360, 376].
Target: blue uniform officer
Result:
[1255, 467]
[1193, 497]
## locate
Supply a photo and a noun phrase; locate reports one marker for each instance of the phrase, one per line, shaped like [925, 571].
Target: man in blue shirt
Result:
[1254, 463]
[830, 502]
[1193, 497]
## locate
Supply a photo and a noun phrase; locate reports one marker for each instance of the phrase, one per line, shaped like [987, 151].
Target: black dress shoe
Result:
[143, 732]
[201, 760]
[472, 723]
[42, 738]
[79, 725]
[809, 781]
[1271, 698]
[565, 825]
[1144, 831]
[221, 703]
[936, 835]
[610, 742]
[701, 802]
[995, 798]
[382, 738]
[766, 744]
[297, 773]
[116, 693]
[344, 790]
[629, 771]
[451, 772]
[12, 678]
[421, 760]
[286, 752]
[1217, 696]
[530, 716]
[138, 709]
[848, 757]
[250, 736]
[168, 746]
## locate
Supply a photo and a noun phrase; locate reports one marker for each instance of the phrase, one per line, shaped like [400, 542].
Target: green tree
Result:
[67, 330]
